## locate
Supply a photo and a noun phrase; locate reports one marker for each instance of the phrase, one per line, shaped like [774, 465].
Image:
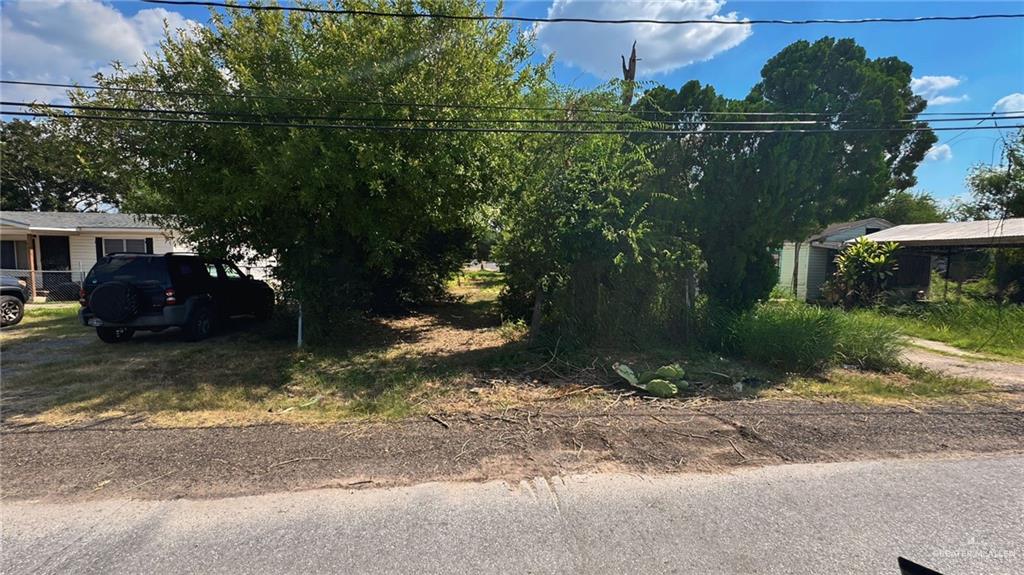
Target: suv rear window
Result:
[128, 269]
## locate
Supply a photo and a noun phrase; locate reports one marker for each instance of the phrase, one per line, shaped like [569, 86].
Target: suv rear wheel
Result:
[200, 324]
[11, 310]
[115, 334]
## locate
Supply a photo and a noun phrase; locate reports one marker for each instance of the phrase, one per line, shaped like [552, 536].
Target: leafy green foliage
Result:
[997, 191]
[42, 170]
[742, 194]
[584, 247]
[354, 218]
[905, 207]
[864, 270]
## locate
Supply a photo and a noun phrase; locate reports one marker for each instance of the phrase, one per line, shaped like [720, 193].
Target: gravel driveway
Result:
[952, 361]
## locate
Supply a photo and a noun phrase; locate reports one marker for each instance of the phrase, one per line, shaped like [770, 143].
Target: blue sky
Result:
[959, 66]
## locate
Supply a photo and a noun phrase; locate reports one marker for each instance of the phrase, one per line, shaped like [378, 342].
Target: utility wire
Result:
[461, 106]
[633, 121]
[379, 128]
[560, 20]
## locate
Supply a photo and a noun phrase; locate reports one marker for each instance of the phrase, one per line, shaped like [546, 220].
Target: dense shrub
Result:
[864, 271]
[799, 337]
[867, 341]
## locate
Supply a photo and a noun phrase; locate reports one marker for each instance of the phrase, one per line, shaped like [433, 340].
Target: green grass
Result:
[43, 321]
[56, 371]
[974, 326]
[801, 338]
[911, 383]
[246, 374]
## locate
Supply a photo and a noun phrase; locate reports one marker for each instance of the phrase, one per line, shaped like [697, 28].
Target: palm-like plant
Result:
[864, 271]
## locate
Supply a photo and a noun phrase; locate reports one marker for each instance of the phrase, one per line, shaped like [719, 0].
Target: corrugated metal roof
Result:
[1009, 232]
[74, 220]
[842, 226]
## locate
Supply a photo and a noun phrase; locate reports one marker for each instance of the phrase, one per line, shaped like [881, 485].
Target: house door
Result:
[55, 256]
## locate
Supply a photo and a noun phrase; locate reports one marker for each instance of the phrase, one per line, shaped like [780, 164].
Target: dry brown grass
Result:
[451, 358]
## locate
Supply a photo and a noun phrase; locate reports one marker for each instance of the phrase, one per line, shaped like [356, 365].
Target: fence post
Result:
[299, 339]
[31, 268]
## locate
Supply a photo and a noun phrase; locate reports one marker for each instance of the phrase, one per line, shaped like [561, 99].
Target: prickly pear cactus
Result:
[627, 373]
[670, 372]
[661, 388]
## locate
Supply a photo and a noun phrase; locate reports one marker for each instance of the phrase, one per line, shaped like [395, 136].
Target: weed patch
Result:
[802, 338]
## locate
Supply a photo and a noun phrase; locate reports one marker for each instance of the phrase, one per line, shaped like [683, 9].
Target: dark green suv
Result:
[126, 292]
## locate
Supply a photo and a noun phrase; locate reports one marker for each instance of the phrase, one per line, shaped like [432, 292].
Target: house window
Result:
[13, 255]
[871, 230]
[135, 246]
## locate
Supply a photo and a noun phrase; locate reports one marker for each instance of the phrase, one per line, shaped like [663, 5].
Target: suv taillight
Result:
[81, 296]
[169, 298]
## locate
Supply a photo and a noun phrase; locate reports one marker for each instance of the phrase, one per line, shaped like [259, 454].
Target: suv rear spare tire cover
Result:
[114, 302]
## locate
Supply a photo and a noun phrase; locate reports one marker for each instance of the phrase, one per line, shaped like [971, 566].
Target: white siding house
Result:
[58, 248]
[813, 257]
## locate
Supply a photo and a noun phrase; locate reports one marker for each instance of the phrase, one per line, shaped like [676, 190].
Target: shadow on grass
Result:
[370, 369]
[248, 367]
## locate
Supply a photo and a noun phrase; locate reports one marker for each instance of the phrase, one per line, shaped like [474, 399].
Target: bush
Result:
[799, 337]
[863, 272]
[868, 341]
[791, 336]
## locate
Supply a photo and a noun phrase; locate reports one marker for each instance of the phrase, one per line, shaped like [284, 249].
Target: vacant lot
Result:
[453, 358]
[445, 393]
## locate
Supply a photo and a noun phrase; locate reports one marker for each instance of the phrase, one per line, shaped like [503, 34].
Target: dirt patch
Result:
[952, 361]
[112, 459]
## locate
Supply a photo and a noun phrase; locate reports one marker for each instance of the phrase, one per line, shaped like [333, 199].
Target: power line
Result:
[458, 106]
[559, 121]
[561, 20]
[379, 128]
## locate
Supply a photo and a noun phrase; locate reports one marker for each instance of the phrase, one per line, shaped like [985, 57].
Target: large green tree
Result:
[906, 207]
[744, 194]
[997, 191]
[41, 169]
[353, 216]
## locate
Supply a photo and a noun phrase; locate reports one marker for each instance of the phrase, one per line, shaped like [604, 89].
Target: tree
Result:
[744, 194]
[583, 247]
[43, 170]
[905, 207]
[354, 217]
[997, 191]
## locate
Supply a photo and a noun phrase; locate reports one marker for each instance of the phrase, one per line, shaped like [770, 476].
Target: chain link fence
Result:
[48, 286]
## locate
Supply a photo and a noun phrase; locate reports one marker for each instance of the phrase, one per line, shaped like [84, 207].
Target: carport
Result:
[949, 238]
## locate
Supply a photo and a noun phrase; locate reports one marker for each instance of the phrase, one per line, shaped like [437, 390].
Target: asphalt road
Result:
[957, 516]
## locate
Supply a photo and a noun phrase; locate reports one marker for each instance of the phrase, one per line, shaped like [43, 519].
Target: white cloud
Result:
[596, 48]
[1010, 103]
[940, 153]
[931, 87]
[67, 41]
[940, 100]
